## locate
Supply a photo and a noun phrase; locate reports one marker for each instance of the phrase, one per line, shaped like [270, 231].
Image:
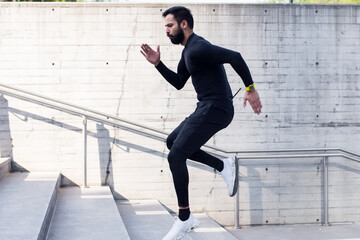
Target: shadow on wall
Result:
[102, 134]
[105, 143]
[255, 197]
[5, 136]
[253, 179]
[104, 148]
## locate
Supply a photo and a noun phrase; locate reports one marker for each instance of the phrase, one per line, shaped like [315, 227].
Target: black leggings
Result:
[186, 140]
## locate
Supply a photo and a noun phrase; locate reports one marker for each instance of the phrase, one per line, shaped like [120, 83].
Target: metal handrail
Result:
[149, 131]
[108, 116]
[79, 113]
[300, 156]
[66, 108]
[325, 156]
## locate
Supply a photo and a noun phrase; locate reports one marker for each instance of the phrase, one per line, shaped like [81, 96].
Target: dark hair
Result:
[180, 13]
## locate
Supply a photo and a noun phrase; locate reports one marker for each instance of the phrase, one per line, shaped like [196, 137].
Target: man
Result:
[204, 63]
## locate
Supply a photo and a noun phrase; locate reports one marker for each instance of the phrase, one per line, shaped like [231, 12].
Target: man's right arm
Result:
[178, 79]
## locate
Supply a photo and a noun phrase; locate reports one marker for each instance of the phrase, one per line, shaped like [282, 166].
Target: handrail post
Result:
[85, 150]
[237, 204]
[326, 191]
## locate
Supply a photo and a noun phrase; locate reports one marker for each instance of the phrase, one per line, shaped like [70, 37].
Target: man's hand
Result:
[150, 55]
[254, 100]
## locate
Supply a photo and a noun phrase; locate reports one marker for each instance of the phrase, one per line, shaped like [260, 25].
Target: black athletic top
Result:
[204, 63]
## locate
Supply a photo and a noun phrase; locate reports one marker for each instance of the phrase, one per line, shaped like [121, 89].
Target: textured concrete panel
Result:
[304, 60]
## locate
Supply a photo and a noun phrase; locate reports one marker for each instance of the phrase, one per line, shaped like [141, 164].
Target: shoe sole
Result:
[236, 183]
[196, 225]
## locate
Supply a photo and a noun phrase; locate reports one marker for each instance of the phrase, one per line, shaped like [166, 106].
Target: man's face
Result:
[173, 31]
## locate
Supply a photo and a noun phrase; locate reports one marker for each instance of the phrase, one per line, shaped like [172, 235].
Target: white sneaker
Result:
[230, 174]
[181, 228]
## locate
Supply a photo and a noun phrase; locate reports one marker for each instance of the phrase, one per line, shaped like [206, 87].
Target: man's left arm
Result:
[254, 100]
[213, 54]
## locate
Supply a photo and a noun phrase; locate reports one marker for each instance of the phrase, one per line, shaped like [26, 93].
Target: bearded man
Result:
[204, 63]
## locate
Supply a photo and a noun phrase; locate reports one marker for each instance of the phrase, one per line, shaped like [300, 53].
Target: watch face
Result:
[251, 88]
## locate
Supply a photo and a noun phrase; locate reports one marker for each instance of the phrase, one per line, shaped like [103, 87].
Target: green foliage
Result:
[317, 1]
[263, 1]
[42, 0]
[329, 1]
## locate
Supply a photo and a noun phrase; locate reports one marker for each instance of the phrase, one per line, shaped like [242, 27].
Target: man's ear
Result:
[184, 24]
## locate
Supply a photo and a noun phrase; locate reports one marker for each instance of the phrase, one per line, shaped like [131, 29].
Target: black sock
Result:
[184, 214]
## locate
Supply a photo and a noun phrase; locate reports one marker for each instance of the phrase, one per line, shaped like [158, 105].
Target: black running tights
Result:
[186, 140]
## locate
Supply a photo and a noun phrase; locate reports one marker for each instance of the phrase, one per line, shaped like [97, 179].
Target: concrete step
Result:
[4, 167]
[148, 219]
[145, 219]
[86, 213]
[209, 229]
[27, 201]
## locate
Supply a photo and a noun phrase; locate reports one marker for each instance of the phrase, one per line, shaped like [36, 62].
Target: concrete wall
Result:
[305, 60]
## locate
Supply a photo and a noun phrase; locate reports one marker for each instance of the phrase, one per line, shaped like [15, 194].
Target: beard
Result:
[178, 37]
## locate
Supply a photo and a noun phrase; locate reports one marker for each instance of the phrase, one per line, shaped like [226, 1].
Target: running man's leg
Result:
[185, 142]
[198, 156]
[207, 159]
[177, 163]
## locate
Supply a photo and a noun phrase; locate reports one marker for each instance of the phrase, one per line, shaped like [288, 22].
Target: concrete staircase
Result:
[27, 202]
[34, 207]
[86, 213]
[148, 219]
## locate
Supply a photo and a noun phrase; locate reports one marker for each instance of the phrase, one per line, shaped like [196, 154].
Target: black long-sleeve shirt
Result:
[204, 63]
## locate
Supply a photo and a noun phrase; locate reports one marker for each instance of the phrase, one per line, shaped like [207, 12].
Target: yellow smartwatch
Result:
[250, 88]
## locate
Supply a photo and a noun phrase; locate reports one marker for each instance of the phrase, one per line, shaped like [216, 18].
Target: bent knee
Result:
[169, 142]
[176, 157]
[172, 157]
